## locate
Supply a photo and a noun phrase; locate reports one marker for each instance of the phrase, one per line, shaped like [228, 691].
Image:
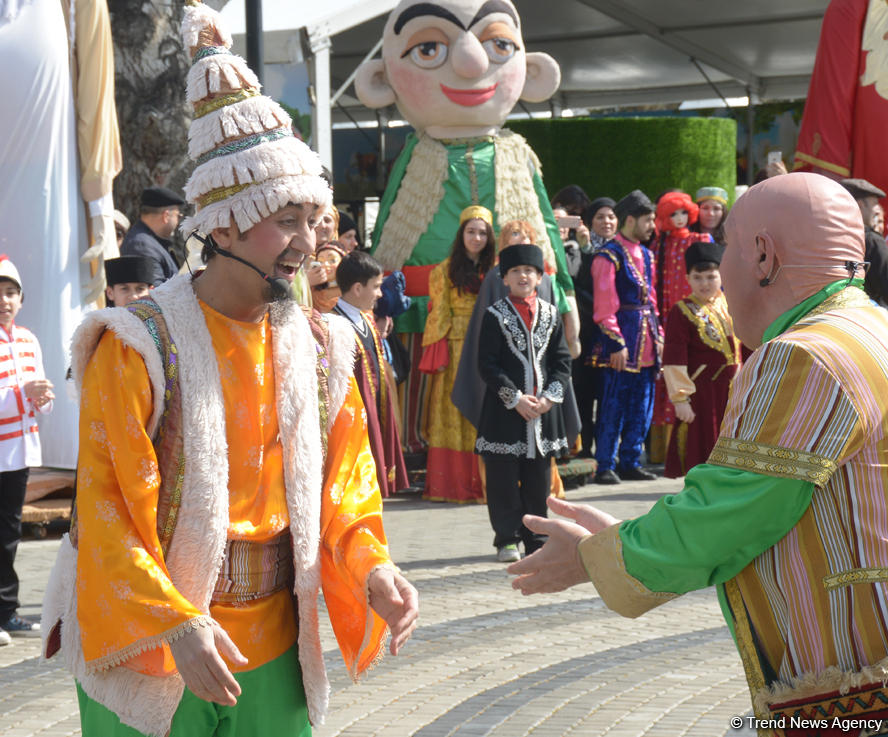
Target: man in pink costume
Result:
[788, 517]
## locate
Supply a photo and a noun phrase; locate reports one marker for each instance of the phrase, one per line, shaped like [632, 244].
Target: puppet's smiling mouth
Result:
[469, 97]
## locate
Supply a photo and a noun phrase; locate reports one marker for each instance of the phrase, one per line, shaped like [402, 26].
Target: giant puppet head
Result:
[455, 68]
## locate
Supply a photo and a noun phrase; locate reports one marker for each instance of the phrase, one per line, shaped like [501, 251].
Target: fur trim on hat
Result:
[220, 73]
[259, 201]
[198, 17]
[281, 158]
[241, 119]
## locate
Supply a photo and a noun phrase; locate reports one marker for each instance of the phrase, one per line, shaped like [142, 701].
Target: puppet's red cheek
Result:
[414, 86]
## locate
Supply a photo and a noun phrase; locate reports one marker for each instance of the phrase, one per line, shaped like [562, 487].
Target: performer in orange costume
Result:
[225, 474]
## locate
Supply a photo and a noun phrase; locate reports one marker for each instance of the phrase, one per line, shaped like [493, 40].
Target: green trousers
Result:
[272, 702]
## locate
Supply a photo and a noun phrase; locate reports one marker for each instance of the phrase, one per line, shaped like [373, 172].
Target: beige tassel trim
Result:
[285, 157]
[814, 684]
[197, 18]
[516, 199]
[415, 205]
[257, 202]
[148, 643]
[244, 118]
[219, 74]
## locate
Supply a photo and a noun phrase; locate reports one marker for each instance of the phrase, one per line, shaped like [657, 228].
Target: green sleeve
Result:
[712, 529]
[562, 278]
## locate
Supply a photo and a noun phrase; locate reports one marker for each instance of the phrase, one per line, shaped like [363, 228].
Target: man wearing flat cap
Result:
[788, 517]
[868, 196]
[159, 215]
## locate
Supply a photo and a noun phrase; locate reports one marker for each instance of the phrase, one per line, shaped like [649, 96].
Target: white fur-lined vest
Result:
[196, 549]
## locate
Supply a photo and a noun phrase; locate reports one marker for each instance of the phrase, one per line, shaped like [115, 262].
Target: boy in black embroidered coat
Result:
[524, 361]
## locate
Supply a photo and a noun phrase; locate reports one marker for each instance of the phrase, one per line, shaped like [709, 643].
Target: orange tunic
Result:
[126, 601]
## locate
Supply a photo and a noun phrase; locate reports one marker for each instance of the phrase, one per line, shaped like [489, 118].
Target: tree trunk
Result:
[151, 68]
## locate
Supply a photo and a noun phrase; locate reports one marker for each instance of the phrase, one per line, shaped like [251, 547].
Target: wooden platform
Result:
[47, 501]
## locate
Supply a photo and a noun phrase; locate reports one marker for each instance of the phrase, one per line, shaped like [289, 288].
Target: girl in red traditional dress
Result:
[676, 211]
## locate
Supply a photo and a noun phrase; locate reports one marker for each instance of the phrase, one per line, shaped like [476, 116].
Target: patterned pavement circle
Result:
[485, 660]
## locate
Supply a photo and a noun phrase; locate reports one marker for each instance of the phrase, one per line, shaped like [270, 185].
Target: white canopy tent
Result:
[613, 53]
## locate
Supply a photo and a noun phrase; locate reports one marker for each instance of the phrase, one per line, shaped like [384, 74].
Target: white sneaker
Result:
[5, 639]
[508, 553]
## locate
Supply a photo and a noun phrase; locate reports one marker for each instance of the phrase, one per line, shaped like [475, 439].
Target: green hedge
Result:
[613, 156]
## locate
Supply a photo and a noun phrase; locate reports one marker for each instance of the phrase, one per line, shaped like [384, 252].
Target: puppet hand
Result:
[198, 655]
[395, 600]
[684, 412]
[104, 238]
[592, 518]
[555, 566]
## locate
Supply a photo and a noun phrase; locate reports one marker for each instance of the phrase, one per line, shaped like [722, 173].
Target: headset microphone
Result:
[280, 288]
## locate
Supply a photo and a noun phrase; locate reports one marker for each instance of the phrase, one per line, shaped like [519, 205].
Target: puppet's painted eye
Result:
[429, 54]
[500, 50]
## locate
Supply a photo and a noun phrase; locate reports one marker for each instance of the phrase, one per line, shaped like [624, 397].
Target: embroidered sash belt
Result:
[254, 570]
[863, 710]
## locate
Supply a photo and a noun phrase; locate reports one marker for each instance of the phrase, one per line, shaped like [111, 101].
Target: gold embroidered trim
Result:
[856, 575]
[772, 460]
[222, 193]
[219, 102]
[849, 297]
[745, 644]
[807, 158]
[147, 643]
[712, 327]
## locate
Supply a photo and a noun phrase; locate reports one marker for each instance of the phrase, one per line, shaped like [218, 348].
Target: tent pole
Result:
[322, 120]
[750, 134]
[253, 12]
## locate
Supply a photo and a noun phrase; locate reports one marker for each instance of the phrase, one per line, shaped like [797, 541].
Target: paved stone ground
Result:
[485, 661]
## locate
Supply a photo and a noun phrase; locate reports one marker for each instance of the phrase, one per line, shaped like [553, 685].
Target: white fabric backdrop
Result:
[42, 218]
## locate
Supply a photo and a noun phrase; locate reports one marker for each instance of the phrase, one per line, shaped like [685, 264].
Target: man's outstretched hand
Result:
[198, 655]
[395, 600]
[557, 565]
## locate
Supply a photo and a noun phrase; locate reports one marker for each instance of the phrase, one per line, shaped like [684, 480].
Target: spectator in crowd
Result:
[700, 358]
[452, 468]
[629, 344]
[867, 196]
[574, 235]
[572, 199]
[348, 233]
[522, 427]
[359, 278]
[391, 304]
[600, 219]
[713, 204]
[121, 226]
[327, 228]
[325, 294]
[128, 279]
[24, 391]
[878, 223]
[675, 213]
[159, 214]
